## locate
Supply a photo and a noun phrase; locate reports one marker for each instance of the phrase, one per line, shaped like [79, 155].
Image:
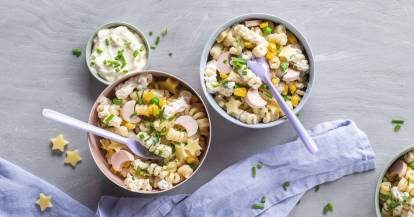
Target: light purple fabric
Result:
[344, 150]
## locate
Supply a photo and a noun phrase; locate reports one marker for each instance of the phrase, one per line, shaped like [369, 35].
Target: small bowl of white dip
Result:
[116, 49]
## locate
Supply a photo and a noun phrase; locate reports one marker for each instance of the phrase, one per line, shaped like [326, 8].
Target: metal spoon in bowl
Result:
[133, 145]
[260, 67]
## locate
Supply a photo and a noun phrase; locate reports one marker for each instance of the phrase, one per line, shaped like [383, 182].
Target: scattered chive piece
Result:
[76, 52]
[318, 187]
[327, 208]
[108, 118]
[263, 199]
[411, 165]
[284, 66]
[153, 46]
[258, 206]
[157, 40]
[117, 101]
[254, 171]
[135, 53]
[169, 54]
[397, 127]
[99, 50]
[267, 30]
[285, 186]
[124, 71]
[142, 48]
[164, 32]
[259, 165]
[397, 121]
[107, 41]
[155, 100]
[150, 33]
[133, 115]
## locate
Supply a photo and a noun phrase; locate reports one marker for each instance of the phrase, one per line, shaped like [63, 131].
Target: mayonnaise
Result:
[116, 52]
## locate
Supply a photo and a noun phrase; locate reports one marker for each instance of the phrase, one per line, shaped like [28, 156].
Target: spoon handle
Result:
[64, 119]
[293, 119]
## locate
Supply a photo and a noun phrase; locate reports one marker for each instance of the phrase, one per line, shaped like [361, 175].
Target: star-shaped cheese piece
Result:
[193, 147]
[72, 157]
[44, 202]
[232, 106]
[59, 143]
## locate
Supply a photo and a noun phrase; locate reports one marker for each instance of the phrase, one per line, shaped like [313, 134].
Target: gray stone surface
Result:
[364, 61]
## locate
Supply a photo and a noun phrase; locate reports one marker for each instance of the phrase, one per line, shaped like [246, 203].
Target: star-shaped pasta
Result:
[59, 143]
[193, 147]
[232, 106]
[72, 157]
[44, 202]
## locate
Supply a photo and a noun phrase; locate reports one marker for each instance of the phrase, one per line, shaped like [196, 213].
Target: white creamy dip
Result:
[116, 52]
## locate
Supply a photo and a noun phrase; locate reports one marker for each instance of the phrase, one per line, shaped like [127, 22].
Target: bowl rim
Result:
[109, 89]
[381, 176]
[241, 18]
[89, 46]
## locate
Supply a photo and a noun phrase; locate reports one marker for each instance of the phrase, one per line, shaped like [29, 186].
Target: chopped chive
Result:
[120, 57]
[157, 40]
[133, 115]
[155, 100]
[327, 208]
[108, 118]
[258, 206]
[263, 199]
[397, 127]
[397, 121]
[254, 171]
[285, 185]
[77, 52]
[99, 50]
[164, 31]
[284, 66]
[142, 48]
[107, 41]
[128, 43]
[153, 46]
[135, 53]
[117, 101]
[259, 165]
[124, 71]
[150, 33]
[318, 187]
[411, 165]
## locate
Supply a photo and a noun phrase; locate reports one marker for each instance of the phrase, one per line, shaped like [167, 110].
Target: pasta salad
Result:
[396, 193]
[237, 89]
[167, 119]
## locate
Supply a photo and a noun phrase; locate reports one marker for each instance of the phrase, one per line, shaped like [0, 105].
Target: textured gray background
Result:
[364, 63]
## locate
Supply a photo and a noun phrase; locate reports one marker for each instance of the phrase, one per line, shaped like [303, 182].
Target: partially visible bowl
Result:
[93, 140]
[253, 16]
[381, 177]
[90, 43]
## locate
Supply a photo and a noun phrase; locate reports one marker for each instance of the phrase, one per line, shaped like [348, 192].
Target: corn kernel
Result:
[147, 97]
[275, 80]
[170, 85]
[163, 102]
[272, 47]
[248, 45]
[223, 75]
[191, 160]
[154, 109]
[240, 92]
[145, 112]
[270, 55]
[285, 90]
[295, 100]
[129, 126]
[264, 25]
[291, 38]
[292, 88]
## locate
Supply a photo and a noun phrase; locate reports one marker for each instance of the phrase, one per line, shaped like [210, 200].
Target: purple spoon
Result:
[260, 67]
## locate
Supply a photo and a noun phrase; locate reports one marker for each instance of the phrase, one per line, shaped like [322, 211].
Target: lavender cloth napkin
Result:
[344, 150]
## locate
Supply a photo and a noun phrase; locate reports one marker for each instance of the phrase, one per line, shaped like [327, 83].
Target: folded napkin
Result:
[344, 149]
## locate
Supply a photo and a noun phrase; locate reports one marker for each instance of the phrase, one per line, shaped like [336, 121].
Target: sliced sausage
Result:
[188, 123]
[223, 63]
[119, 158]
[251, 23]
[127, 112]
[254, 100]
[291, 75]
[398, 169]
[409, 157]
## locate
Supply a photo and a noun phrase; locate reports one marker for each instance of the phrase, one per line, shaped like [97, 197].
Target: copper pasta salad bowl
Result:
[181, 136]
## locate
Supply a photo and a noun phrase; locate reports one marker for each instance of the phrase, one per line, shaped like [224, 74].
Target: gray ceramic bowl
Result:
[383, 172]
[210, 42]
[89, 47]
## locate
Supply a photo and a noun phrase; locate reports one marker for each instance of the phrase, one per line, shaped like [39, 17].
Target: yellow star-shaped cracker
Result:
[72, 157]
[59, 143]
[232, 106]
[44, 202]
[193, 147]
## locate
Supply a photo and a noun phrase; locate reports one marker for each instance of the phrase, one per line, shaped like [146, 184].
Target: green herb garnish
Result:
[253, 171]
[108, 119]
[317, 188]
[258, 206]
[142, 48]
[128, 43]
[157, 40]
[397, 127]
[141, 136]
[263, 200]
[267, 30]
[99, 50]
[150, 33]
[117, 101]
[285, 185]
[153, 46]
[328, 208]
[111, 63]
[155, 100]
[107, 41]
[135, 53]
[259, 165]
[120, 57]
[124, 71]
[397, 121]
[77, 52]
[284, 66]
[133, 115]
[238, 62]
[164, 32]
